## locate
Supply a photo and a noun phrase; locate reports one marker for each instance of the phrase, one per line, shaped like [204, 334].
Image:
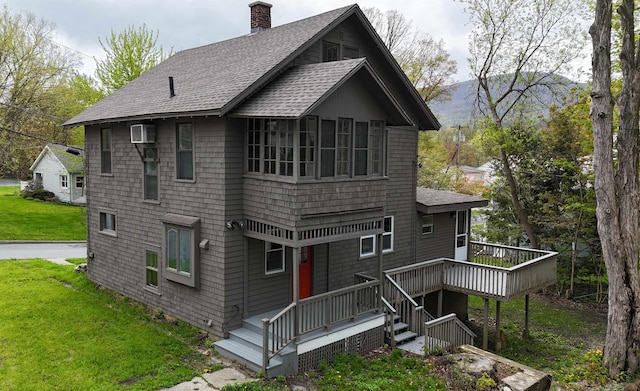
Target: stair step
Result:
[402, 337]
[395, 317]
[255, 340]
[397, 327]
[245, 354]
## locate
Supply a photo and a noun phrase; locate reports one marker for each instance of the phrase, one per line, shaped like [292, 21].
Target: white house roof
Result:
[72, 163]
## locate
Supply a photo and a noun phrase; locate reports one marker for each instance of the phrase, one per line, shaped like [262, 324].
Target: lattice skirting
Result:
[357, 344]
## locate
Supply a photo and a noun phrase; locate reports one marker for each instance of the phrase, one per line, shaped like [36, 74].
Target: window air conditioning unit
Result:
[143, 134]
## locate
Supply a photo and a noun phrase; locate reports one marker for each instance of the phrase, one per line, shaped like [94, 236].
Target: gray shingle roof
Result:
[211, 78]
[438, 201]
[300, 89]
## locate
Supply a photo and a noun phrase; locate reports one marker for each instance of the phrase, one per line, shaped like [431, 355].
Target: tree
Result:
[32, 70]
[517, 50]
[423, 59]
[616, 181]
[128, 55]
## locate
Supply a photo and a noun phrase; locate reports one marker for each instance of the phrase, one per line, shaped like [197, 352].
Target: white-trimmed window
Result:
[367, 246]
[273, 258]
[387, 236]
[427, 224]
[181, 235]
[151, 269]
[108, 223]
[79, 182]
[64, 181]
[184, 151]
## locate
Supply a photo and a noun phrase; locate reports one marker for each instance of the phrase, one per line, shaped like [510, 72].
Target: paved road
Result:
[8, 182]
[45, 250]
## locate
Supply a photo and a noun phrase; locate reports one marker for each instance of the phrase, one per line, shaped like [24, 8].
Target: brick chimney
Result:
[260, 16]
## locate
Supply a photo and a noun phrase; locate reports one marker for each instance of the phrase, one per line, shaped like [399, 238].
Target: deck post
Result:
[525, 333]
[485, 330]
[296, 289]
[498, 339]
[440, 294]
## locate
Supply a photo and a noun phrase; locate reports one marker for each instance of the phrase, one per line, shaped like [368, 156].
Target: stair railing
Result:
[283, 329]
[446, 332]
[410, 312]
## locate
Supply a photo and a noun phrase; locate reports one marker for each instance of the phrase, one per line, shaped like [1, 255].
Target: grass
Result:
[22, 219]
[564, 342]
[59, 332]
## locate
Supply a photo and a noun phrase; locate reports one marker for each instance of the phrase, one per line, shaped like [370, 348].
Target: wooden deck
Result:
[494, 272]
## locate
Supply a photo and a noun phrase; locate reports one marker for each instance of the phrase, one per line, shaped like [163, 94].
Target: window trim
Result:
[390, 233]
[158, 269]
[374, 239]
[103, 222]
[282, 248]
[431, 225]
[64, 181]
[192, 224]
[178, 150]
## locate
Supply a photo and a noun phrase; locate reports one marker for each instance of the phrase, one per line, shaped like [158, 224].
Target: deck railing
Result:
[486, 275]
[410, 312]
[447, 332]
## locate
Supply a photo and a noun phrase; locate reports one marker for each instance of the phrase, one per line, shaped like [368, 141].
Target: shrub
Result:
[34, 190]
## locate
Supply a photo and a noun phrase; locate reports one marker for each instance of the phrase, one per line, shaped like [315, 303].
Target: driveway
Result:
[54, 251]
[9, 182]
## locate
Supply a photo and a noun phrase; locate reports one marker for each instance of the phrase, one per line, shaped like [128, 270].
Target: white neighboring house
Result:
[61, 172]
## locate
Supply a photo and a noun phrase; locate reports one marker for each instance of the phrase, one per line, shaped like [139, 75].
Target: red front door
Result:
[306, 262]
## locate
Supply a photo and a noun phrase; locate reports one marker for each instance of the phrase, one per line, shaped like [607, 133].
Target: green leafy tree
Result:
[129, 54]
[517, 50]
[33, 71]
[616, 177]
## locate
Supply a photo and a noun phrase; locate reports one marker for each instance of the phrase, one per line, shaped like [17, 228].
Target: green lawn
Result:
[22, 219]
[58, 332]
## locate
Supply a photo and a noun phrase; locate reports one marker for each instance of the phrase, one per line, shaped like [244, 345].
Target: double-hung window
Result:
[361, 149]
[387, 236]
[151, 269]
[79, 182]
[181, 236]
[328, 148]
[184, 151]
[105, 151]
[151, 173]
[254, 131]
[376, 137]
[343, 149]
[108, 223]
[369, 243]
[427, 224]
[64, 181]
[273, 258]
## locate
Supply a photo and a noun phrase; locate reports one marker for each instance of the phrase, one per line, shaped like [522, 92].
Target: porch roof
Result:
[431, 201]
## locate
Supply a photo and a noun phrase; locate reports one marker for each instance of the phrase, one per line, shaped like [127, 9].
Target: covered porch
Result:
[382, 308]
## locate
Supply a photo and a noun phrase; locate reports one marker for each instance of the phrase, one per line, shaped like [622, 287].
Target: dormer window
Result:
[330, 51]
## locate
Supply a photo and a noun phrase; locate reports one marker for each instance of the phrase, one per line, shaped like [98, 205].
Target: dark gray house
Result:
[263, 189]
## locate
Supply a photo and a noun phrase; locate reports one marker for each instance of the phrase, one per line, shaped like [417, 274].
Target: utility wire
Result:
[40, 138]
[33, 112]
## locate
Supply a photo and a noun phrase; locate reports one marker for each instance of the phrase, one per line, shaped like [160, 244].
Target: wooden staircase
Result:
[244, 345]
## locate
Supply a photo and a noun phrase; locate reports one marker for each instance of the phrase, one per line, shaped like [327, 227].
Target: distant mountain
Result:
[462, 108]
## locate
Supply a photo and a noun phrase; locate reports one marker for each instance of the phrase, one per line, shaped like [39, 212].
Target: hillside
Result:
[462, 108]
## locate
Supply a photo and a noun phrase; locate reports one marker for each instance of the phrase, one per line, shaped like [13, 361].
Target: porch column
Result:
[380, 268]
[525, 333]
[485, 330]
[296, 289]
[245, 278]
[498, 339]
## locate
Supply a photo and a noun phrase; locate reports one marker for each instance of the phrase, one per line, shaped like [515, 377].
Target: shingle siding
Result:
[119, 261]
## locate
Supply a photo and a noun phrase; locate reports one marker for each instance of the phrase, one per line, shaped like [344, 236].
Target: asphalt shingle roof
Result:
[436, 201]
[210, 78]
[72, 163]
